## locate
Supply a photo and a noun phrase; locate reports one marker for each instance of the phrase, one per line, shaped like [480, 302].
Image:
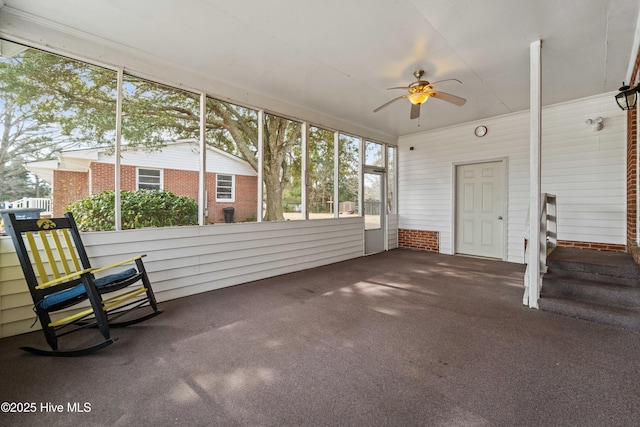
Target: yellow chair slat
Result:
[61, 252]
[119, 299]
[62, 279]
[97, 270]
[72, 249]
[53, 265]
[35, 253]
[71, 318]
[107, 304]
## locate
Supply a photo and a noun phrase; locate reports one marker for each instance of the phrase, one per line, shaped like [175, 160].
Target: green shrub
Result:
[142, 208]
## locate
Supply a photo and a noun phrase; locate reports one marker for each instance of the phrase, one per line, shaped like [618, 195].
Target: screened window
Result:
[349, 175]
[224, 188]
[149, 179]
[373, 154]
[282, 174]
[321, 173]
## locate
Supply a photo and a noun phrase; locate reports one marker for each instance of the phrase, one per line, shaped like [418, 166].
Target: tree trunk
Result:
[273, 193]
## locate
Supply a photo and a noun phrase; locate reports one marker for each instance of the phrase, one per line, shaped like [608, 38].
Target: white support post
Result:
[535, 172]
[361, 178]
[336, 174]
[304, 196]
[118, 142]
[202, 177]
[260, 163]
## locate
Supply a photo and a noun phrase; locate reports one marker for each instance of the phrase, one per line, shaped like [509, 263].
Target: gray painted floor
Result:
[395, 339]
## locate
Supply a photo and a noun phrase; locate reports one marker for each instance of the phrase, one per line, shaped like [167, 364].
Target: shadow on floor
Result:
[399, 338]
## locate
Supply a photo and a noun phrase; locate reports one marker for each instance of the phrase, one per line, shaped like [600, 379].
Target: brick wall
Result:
[419, 239]
[68, 187]
[632, 172]
[605, 247]
[75, 185]
[181, 183]
[246, 199]
[102, 177]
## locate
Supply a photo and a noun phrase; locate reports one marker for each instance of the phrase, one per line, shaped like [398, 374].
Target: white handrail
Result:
[32, 203]
[548, 241]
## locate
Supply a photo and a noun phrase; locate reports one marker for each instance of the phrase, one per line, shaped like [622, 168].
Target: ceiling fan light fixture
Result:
[627, 97]
[418, 98]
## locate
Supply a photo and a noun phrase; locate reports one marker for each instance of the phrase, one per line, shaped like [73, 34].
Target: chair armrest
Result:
[126, 261]
[62, 279]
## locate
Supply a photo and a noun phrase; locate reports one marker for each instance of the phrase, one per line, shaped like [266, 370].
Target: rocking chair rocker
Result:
[64, 278]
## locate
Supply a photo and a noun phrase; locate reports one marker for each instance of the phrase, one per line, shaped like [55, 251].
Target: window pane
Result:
[149, 179]
[232, 132]
[372, 201]
[321, 155]
[160, 134]
[373, 154]
[348, 175]
[59, 108]
[282, 169]
[224, 187]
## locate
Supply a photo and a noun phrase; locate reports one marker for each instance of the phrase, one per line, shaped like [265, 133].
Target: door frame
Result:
[505, 193]
[377, 170]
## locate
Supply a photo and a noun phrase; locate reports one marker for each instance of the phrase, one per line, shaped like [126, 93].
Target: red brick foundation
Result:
[605, 247]
[419, 239]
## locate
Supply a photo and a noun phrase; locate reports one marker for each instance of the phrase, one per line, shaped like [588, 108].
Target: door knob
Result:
[500, 217]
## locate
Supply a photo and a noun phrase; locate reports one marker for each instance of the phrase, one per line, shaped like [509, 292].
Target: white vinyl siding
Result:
[225, 188]
[392, 231]
[184, 261]
[585, 169]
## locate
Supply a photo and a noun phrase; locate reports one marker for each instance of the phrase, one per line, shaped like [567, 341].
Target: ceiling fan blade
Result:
[398, 87]
[415, 111]
[449, 98]
[388, 103]
[446, 80]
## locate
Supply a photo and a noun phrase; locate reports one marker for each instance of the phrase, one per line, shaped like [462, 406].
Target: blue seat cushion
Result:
[67, 294]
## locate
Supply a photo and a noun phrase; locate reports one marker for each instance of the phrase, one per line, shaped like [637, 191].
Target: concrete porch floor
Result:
[400, 338]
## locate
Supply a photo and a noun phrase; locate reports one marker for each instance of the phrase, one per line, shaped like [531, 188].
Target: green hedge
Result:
[142, 208]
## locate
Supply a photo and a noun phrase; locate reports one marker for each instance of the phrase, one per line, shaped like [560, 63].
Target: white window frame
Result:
[138, 169]
[233, 188]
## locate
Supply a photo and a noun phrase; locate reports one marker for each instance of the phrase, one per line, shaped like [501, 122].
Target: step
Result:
[610, 267]
[560, 286]
[628, 318]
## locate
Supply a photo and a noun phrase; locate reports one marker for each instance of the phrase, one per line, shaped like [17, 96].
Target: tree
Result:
[23, 137]
[81, 100]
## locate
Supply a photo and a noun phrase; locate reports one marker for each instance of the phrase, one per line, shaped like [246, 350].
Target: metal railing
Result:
[548, 241]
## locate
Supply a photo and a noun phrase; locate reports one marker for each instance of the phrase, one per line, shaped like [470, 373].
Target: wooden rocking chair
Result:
[64, 278]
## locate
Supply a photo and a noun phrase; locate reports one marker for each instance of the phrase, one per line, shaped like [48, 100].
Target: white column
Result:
[117, 204]
[535, 186]
[260, 163]
[304, 197]
[336, 174]
[202, 178]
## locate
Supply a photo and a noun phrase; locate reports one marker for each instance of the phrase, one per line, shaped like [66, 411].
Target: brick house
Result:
[230, 181]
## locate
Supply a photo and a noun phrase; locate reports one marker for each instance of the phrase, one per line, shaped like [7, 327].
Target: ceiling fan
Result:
[421, 90]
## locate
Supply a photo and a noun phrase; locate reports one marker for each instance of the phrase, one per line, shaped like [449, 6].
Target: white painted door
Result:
[480, 209]
[374, 212]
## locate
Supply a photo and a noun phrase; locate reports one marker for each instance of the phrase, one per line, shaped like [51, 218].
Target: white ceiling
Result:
[337, 57]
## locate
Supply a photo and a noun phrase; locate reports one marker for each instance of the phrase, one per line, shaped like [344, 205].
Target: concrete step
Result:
[601, 287]
[610, 267]
[586, 290]
[624, 317]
